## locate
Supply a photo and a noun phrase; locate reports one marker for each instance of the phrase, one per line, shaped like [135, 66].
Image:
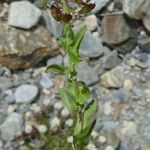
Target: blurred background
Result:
[116, 67]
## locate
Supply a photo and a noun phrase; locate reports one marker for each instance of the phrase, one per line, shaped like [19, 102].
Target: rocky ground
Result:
[116, 66]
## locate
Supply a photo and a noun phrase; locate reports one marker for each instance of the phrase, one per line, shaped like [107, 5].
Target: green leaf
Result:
[67, 37]
[89, 112]
[57, 69]
[83, 93]
[80, 132]
[68, 102]
[78, 38]
[74, 58]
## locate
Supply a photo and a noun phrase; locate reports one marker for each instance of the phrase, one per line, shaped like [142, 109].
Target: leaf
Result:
[74, 58]
[69, 103]
[78, 38]
[89, 112]
[67, 37]
[59, 15]
[86, 8]
[80, 132]
[57, 69]
[83, 93]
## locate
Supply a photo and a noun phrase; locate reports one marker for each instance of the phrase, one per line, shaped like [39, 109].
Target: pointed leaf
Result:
[87, 8]
[83, 94]
[69, 103]
[89, 112]
[80, 132]
[57, 69]
[78, 38]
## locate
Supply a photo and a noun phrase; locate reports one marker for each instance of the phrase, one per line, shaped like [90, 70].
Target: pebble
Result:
[113, 78]
[111, 60]
[55, 60]
[65, 113]
[1, 144]
[91, 46]
[70, 139]
[129, 129]
[109, 148]
[69, 122]
[6, 83]
[55, 122]
[28, 128]
[26, 93]
[86, 73]
[58, 106]
[94, 134]
[11, 126]
[18, 17]
[42, 128]
[91, 146]
[128, 85]
[102, 139]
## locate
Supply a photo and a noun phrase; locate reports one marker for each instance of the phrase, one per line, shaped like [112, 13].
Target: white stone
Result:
[28, 128]
[55, 122]
[65, 113]
[70, 139]
[102, 139]
[69, 122]
[23, 14]
[26, 93]
[58, 106]
[109, 148]
[42, 128]
[91, 146]
[94, 134]
[11, 126]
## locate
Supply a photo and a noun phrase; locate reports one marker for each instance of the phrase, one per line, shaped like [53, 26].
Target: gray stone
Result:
[100, 4]
[51, 24]
[24, 49]
[91, 46]
[26, 93]
[138, 9]
[1, 70]
[113, 78]
[121, 96]
[144, 44]
[55, 60]
[11, 126]
[23, 15]
[46, 81]
[115, 29]
[86, 73]
[5, 83]
[144, 57]
[111, 60]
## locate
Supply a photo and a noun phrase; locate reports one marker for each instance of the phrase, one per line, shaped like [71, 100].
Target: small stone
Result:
[19, 17]
[1, 144]
[115, 29]
[111, 60]
[55, 60]
[65, 113]
[91, 146]
[36, 108]
[86, 73]
[128, 85]
[11, 126]
[42, 128]
[102, 139]
[99, 5]
[94, 134]
[11, 108]
[58, 106]
[26, 93]
[55, 122]
[129, 129]
[46, 81]
[113, 78]
[109, 148]
[90, 22]
[70, 139]
[144, 44]
[107, 108]
[69, 122]
[46, 102]
[91, 46]
[6, 83]
[28, 128]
